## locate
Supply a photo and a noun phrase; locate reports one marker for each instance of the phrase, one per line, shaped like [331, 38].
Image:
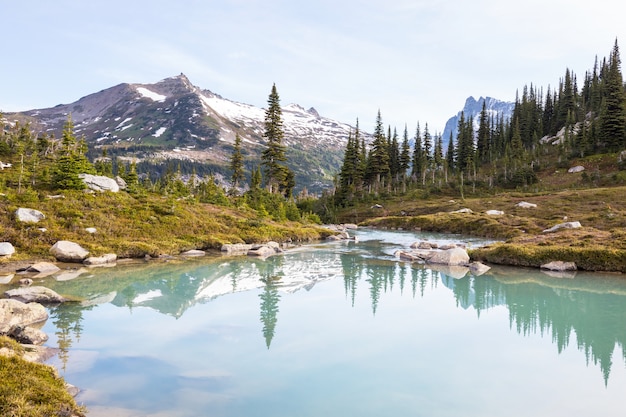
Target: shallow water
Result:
[341, 329]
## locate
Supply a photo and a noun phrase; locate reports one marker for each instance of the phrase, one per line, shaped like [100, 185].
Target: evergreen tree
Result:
[482, 141]
[451, 154]
[378, 159]
[277, 175]
[71, 162]
[613, 110]
[418, 155]
[236, 165]
[405, 153]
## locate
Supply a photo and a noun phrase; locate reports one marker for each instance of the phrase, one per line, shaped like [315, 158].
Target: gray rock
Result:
[236, 248]
[478, 268]
[91, 230]
[28, 335]
[100, 260]
[15, 313]
[566, 225]
[463, 211]
[261, 251]
[524, 204]
[578, 168]
[43, 267]
[6, 249]
[407, 256]
[560, 266]
[194, 252]
[100, 183]
[66, 251]
[494, 212]
[455, 256]
[26, 215]
[121, 183]
[35, 294]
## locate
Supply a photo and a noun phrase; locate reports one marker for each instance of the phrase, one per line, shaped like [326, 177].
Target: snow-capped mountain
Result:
[175, 120]
[495, 108]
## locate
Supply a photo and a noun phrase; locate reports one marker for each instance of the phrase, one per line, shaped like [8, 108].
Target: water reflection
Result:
[588, 310]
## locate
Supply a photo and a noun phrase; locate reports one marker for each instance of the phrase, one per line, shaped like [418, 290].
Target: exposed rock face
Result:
[15, 313]
[66, 251]
[560, 266]
[108, 258]
[566, 225]
[6, 249]
[456, 256]
[100, 183]
[26, 215]
[35, 294]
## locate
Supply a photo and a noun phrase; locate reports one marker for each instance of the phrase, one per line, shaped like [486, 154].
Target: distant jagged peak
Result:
[313, 112]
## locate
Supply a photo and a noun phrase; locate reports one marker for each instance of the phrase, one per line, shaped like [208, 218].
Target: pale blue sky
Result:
[415, 60]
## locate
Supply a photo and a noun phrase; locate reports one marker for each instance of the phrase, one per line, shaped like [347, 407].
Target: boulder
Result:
[43, 267]
[15, 313]
[478, 268]
[194, 252]
[578, 168]
[121, 182]
[28, 335]
[100, 260]
[99, 183]
[424, 245]
[455, 256]
[230, 248]
[566, 225]
[261, 251]
[524, 204]
[35, 294]
[6, 249]
[407, 256]
[350, 226]
[26, 215]
[494, 212]
[560, 266]
[91, 230]
[463, 211]
[66, 251]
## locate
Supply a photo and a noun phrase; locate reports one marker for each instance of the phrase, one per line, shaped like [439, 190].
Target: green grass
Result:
[135, 226]
[32, 389]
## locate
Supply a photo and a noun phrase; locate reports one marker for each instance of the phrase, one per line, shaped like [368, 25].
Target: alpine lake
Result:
[340, 329]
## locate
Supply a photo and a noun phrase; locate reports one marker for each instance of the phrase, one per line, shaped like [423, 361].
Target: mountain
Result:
[173, 122]
[495, 108]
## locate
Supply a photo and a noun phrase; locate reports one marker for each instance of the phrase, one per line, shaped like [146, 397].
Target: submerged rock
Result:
[560, 266]
[35, 294]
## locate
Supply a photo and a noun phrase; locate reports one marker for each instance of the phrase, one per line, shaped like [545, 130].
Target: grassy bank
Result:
[600, 245]
[135, 226]
[31, 389]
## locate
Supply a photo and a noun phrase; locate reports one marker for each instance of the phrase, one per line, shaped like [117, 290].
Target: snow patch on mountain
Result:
[151, 94]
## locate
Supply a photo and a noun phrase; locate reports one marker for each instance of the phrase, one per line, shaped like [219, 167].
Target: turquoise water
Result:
[342, 329]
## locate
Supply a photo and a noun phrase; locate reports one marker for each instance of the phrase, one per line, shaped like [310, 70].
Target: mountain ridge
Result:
[174, 120]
